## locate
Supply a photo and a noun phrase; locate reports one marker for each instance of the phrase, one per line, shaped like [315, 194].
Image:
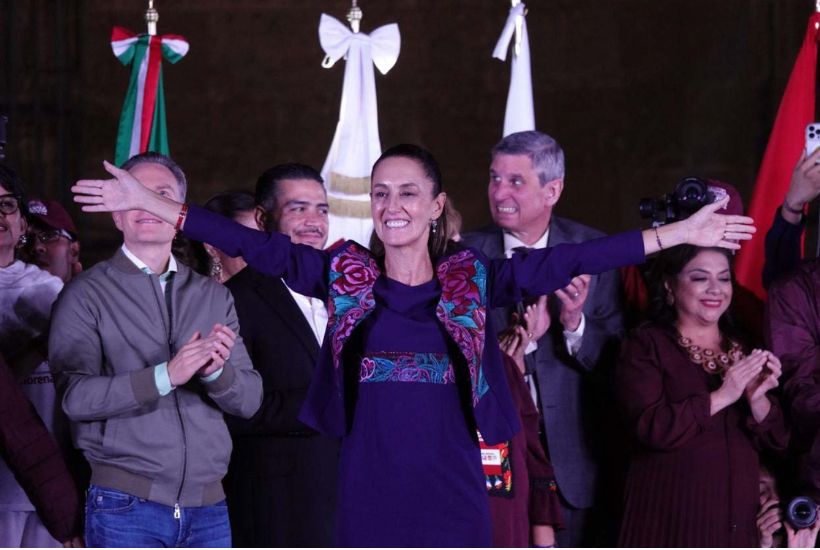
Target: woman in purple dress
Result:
[406, 373]
[698, 407]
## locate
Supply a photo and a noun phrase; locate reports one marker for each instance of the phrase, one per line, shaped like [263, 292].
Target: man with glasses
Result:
[52, 240]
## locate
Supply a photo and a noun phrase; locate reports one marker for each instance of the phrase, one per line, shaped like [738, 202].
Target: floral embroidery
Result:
[407, 367]
[462, 308]
[463, 311]
[353, 272]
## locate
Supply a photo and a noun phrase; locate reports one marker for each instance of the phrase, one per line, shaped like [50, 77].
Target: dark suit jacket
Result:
[281, 483]
[570, 388]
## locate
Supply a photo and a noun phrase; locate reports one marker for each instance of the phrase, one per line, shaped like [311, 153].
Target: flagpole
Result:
[152, 16]
[354, 16]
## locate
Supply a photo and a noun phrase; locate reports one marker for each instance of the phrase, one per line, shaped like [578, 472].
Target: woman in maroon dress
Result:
[698, 408]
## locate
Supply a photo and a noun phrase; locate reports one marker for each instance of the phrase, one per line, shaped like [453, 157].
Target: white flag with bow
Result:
[520, 114]
[356, 144]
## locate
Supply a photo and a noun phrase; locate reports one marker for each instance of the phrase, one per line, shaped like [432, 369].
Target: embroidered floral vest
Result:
[462, 308]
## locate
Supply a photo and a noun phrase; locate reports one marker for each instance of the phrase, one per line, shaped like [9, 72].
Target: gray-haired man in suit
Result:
[567, 364]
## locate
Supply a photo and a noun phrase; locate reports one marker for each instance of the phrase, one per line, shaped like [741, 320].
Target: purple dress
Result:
[406, 374]
[397, 483]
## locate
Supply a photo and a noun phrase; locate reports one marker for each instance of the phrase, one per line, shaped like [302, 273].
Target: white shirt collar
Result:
[511, 242]
[172, 262]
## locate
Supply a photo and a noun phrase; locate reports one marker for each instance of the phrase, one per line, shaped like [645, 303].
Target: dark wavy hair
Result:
[438, 243]
[667, 265]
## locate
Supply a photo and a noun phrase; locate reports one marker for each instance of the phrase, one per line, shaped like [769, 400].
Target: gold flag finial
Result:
[151, 18]
[354, 16]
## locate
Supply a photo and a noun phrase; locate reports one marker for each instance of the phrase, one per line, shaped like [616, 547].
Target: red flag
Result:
[782, 152]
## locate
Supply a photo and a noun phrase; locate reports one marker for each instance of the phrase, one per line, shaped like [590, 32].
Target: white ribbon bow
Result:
[520, 113]
[336, 38]
[503, 44]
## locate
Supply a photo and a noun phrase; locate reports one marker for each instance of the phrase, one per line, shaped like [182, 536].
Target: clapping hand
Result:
[766, 380]
[226, 339]
[573, 297]
[515, 339]
[200, 355]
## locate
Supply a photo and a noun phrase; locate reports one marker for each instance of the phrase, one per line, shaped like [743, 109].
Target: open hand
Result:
[708, 228]
[122, 192]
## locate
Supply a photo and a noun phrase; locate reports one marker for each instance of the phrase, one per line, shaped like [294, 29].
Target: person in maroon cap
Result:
[52, 240]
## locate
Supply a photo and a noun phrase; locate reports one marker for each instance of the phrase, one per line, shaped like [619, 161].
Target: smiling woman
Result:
[406, 373]
[699, 409]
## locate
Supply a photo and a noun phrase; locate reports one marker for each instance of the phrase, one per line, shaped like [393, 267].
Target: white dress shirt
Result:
[314, 311]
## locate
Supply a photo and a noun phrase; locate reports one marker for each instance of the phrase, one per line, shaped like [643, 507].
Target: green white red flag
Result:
[142, 122]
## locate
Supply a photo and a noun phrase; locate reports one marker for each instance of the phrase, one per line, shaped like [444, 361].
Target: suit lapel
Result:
[273, 291]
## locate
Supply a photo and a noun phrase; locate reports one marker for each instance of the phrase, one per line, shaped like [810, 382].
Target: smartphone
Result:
[812, 137]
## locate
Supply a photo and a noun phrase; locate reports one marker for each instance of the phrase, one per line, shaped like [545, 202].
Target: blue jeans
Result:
[117, 519]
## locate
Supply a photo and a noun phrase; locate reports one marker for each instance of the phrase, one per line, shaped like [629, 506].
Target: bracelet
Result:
[658, 238]
[792, 210]
[181, 219]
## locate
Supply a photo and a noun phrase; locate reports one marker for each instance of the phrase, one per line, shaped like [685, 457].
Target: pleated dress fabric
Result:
[693, 478]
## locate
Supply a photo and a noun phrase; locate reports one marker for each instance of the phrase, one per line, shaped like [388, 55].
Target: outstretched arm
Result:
[303, 267]
[706, 227]
[543, 271]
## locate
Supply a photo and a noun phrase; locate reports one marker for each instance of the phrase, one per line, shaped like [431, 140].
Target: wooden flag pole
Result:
[152, 16]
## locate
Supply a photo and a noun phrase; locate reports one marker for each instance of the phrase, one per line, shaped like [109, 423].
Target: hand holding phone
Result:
[812, 137]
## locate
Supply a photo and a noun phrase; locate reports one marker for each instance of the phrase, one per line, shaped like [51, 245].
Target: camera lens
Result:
[801, 512]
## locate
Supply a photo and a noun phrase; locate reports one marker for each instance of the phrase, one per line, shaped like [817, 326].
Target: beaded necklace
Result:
[709, 360]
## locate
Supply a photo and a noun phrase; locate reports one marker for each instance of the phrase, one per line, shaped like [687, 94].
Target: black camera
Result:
[801, 512]
[689, 196]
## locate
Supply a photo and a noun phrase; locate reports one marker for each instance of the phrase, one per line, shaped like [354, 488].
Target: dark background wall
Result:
[639, 92]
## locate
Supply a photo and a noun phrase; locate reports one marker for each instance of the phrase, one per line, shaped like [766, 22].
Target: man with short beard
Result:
[282, 477]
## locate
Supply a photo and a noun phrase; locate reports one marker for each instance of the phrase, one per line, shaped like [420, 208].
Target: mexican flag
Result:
[142, 122]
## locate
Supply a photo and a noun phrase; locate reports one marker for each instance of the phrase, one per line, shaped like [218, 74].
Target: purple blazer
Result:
[470, 283]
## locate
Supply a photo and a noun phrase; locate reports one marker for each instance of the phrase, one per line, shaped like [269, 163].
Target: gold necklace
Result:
[709, 360]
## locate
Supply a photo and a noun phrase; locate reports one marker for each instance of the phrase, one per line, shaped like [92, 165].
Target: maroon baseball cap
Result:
[721, 189]
[52, 214]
